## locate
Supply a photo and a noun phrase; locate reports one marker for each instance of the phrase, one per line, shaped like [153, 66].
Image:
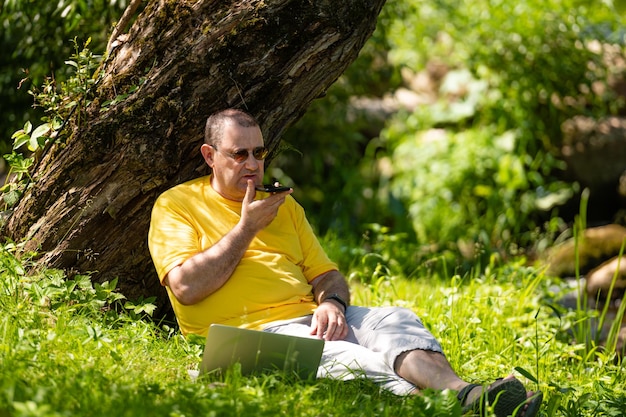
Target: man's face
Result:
[229, 176]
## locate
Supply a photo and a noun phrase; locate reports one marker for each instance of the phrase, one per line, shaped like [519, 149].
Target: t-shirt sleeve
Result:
[172, 239]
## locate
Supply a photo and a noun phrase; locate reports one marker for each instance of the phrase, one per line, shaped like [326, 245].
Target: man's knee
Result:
[403, 315]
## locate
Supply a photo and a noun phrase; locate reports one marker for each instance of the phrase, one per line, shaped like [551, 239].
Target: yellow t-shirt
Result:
[272, 279]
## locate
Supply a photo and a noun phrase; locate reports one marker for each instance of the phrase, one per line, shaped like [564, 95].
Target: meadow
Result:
[70, 347]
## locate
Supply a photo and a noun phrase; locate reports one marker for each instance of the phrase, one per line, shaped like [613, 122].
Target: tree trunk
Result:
[89, 209]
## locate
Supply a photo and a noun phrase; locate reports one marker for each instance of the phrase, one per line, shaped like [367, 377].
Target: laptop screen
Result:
[259, 351]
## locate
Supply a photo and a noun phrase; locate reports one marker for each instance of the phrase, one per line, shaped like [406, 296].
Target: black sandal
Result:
[507, 399]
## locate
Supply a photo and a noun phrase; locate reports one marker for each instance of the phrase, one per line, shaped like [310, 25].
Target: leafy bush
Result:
[468, 188]
[36, 39]
[475, 169]
[540, 59]
[59, 102]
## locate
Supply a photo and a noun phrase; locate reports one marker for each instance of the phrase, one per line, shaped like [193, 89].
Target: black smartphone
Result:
[269, 188]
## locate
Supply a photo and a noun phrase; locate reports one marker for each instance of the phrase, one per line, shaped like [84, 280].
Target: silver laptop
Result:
[259, 351]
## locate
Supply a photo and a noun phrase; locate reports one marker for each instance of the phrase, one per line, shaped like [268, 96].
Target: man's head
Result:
[233, 148]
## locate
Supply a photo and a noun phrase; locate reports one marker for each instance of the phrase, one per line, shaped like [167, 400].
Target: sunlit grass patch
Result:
[70, 347]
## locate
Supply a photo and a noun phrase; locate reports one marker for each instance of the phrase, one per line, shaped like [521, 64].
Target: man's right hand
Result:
[258, 214]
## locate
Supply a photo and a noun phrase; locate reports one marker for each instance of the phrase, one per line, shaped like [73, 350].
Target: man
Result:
[231, 255]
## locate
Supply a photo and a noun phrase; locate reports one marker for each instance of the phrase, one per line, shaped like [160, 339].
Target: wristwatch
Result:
[337, 297]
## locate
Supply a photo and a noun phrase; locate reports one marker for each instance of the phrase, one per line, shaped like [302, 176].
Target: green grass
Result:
[70, 348]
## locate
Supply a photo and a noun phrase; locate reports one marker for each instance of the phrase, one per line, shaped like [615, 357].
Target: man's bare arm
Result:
[331, 282]
[329, 320]
[206, 272]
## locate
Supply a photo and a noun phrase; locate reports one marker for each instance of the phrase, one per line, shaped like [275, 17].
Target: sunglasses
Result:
[259, 153]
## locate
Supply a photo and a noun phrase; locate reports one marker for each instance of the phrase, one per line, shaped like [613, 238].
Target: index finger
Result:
[316, 329]
[250, 192]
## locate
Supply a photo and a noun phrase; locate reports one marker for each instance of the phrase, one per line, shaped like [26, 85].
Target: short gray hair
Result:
[214, 128]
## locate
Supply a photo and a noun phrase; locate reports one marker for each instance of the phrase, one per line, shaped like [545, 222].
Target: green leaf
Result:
[41, 130]
[20, 139]
[12, 197]
[33, 145]
[18, 163]
[526, 374]
[57, 123]
[17, 133]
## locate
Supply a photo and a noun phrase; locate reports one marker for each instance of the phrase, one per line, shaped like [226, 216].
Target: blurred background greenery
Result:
[445, 135]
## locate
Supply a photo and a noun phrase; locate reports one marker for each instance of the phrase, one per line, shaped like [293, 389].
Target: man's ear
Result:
[207, 154]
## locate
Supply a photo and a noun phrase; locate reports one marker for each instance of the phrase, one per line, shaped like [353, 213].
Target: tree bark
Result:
[89, 208]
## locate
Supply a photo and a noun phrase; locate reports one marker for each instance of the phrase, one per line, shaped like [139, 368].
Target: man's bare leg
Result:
[427, 369]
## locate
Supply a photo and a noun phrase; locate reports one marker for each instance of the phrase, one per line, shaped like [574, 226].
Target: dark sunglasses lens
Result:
[260, 153]
[240, 156]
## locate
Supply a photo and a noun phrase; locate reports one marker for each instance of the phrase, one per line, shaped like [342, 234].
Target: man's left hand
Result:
[329, 322]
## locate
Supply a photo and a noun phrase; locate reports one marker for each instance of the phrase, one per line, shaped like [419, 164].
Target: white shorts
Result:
[377, 336]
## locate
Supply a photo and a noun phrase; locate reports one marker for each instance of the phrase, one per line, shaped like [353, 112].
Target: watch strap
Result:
[337, 297]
